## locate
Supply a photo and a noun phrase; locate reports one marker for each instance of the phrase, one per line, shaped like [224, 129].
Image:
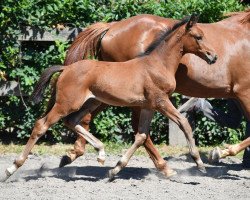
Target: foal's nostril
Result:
[215, 57]
[208, 53]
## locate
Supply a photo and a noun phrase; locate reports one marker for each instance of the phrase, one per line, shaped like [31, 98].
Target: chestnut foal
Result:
[146, 82]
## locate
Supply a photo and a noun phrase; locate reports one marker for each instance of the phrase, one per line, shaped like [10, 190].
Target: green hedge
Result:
[25, 63]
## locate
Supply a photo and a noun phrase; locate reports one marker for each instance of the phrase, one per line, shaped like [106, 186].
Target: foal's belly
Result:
[117, 98]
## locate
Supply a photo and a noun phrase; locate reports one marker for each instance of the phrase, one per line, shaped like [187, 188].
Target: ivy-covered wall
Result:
[24, 63]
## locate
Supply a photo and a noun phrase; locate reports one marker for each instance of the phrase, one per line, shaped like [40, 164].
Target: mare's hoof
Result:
[65, 161]
[101, 161]
[214, 155]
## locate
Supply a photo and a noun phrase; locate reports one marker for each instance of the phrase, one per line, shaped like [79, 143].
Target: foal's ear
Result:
[192, 21]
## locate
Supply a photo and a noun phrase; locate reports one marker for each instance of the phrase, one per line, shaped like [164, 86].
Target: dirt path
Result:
[84, 179]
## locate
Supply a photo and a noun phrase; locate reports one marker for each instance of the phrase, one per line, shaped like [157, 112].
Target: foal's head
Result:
[194, 41]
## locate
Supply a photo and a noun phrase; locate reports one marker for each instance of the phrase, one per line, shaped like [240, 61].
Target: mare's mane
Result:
[163, 36]
[244, 19]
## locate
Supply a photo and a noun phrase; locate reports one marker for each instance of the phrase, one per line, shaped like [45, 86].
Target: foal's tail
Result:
[44, 80]
[87, 43]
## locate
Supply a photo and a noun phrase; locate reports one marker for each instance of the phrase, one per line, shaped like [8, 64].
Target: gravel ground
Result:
[40, 178]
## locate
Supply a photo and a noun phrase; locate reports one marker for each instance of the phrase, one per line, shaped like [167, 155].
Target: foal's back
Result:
[115, 83]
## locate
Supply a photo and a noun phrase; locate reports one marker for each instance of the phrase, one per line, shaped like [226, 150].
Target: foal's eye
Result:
[198, 37]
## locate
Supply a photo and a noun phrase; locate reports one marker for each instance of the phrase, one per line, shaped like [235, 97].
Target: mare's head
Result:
[194, 41]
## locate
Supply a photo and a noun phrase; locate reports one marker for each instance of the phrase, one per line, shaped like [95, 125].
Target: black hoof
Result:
[65, 161]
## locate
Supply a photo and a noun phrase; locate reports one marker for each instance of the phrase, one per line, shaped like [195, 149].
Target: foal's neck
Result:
[169, 52]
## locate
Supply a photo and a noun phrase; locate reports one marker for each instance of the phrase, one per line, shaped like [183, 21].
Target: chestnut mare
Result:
[146, 82]
[230, 150]
[227, 78]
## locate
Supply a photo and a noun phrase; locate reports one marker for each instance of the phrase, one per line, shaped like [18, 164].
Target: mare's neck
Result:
[241, 20]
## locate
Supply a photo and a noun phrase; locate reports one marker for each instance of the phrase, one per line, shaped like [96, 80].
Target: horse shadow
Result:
[85, 173]
[99, 173]
[217, 170]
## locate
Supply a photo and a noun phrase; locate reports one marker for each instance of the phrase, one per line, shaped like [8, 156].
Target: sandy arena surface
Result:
[40, 178]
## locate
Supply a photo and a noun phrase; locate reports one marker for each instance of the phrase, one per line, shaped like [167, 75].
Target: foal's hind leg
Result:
[40, 128]
[154, 154]
[165, 106]
[84, 116]
[77, 150]
[96, 143]
[73, 122]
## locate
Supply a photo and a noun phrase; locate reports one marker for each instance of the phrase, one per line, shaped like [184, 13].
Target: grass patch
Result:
[110, 148]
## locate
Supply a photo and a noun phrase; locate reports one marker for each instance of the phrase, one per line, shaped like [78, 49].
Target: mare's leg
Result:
[246, 155]
[243, 98]
[165, 106]
[40, 128]
[154, 154]
[232, 150]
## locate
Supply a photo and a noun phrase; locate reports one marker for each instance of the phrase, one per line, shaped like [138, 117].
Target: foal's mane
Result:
[163, 36]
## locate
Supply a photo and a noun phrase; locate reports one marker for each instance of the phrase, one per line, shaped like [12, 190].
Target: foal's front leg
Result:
[140, 138]
[164, 105]
[152, 151]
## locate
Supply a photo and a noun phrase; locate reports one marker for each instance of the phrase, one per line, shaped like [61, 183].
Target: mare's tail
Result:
[44, 80]
[87, 43]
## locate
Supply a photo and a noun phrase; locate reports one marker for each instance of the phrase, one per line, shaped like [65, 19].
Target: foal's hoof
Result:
[202, 169]
[7, 175]
[65, 161]
[2, 180]
[101, 161]
[9, 171]
[168, 173]
[215, 155]
[110, 175]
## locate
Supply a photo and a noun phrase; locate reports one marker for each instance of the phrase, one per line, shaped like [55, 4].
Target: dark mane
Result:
[163, 35]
